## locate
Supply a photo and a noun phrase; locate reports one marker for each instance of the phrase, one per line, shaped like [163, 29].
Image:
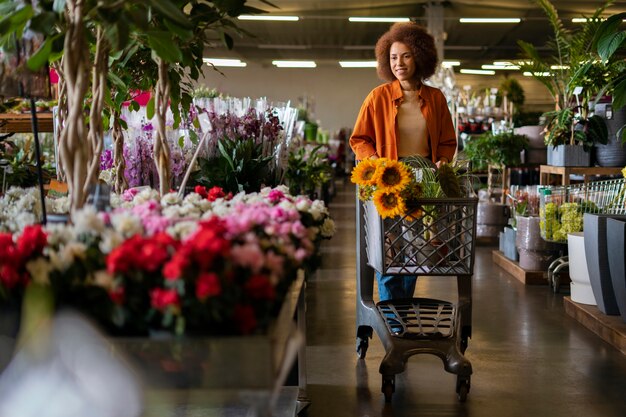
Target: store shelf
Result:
[522, 275]
[611, 329]
[545, 171]
[21, 123]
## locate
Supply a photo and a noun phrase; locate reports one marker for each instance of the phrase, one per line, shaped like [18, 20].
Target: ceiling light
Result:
[221, 62]
[295, 64]
[269, 17]
[584, 19]
[276, 46]
[477, 71]
[379, 19]
[503, 63]
[536, 74]
[357, 64]
[450, 64]
[559, 67]
[500, 67]
[490, 20]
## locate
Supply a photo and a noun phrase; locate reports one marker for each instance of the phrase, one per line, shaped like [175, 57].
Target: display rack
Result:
[22, 123]
[546, 171]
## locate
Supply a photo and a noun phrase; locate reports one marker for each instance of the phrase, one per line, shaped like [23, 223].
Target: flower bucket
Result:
[535, 253]
[251, 362]
[568, 156]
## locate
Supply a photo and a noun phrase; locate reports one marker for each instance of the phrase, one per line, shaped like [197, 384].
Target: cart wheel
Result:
[388, 388]
[462, 388]
[361, 347]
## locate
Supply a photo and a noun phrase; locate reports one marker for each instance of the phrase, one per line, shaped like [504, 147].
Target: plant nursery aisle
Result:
[529, 358]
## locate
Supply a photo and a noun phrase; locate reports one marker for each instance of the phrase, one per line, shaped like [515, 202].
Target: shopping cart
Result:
[436, 239]
[561, 211]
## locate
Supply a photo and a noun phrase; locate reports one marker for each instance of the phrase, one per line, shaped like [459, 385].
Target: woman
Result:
[404, 117]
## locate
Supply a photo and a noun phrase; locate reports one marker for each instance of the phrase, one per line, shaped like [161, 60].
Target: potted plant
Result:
[570, 132]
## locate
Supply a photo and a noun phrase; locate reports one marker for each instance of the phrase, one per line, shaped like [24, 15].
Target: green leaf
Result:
[227, 40]
[193, 137]
[116, 81]
[150, 108]
[181, 141]
[43, 23]
[196, 123]
[123, 123]
[40, 58]
[608, 37]
[161, 43]
[184, 34]
[168, 10]
[619, 94]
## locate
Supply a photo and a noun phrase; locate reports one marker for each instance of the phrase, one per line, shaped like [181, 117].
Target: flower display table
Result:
[21, 123]
[545, 171]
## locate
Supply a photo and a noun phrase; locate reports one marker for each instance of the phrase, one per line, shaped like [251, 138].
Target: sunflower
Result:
[392, 176]
[388, 204]
[365, 192]
[363, 173]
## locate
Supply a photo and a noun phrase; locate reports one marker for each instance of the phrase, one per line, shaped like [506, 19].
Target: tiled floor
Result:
[529, 357]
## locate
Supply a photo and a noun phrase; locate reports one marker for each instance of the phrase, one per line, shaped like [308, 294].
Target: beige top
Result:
[412, 133]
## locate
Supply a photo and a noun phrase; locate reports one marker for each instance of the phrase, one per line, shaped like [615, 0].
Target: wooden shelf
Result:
[522, 275]
[21, 123]
[611, 329]
[545, 171]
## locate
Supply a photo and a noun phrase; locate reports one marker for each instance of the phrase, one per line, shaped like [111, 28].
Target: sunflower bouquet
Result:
[392, 185]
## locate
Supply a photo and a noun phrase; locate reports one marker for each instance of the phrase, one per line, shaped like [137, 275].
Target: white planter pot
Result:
[581, 291]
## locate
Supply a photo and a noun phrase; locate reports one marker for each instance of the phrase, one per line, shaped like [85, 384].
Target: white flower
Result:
[116, 200]
[303, 204]
[87, 221]
[107, 175]
[171, 212]
[183, 229]
[110, 239]
[170, 199]
[39, 269]
[66, 256]
[103, 279]
[147, 194]
[328, 228]
[287, 205]
[318, 210]
[59, 234]
[192, 198]
[126, 224]
[220, 210]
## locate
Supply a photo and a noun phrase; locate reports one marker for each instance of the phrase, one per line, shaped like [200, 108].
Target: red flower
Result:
[244, 318]
[8, 251]
[118, 295]
[215, 193]
[151, 255]
[9, 277]
[260, 287]
[208, 285]
[32, 241]
[175, 268]
[161, 298]
[121, 259]
[201, 190]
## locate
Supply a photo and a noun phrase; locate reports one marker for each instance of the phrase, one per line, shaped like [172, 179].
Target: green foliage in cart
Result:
[308, 170]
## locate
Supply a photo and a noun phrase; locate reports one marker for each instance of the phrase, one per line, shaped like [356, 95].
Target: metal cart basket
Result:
[562, 209]
[437, 238]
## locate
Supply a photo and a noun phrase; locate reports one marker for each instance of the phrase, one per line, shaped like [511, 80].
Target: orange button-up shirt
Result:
[375, 130]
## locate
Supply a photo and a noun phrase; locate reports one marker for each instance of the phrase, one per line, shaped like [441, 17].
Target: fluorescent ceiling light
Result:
[357, 64]
[503, 63]
[379, 19]
[269, 17]
[477, 71]
[450, 64]
[559, 66]
[490, 20]
[295, 64]
[277, 46]
[536, 74]
[221, 62]
[500, 67]
[584, 19]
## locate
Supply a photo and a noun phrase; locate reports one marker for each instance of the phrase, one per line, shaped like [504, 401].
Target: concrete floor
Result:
[529, 358]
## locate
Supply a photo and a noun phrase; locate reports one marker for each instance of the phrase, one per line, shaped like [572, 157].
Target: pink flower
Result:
[248, 255]
[275, 196]
[129, 194]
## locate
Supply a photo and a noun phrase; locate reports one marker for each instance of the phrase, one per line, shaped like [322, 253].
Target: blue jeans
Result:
[395, 286]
